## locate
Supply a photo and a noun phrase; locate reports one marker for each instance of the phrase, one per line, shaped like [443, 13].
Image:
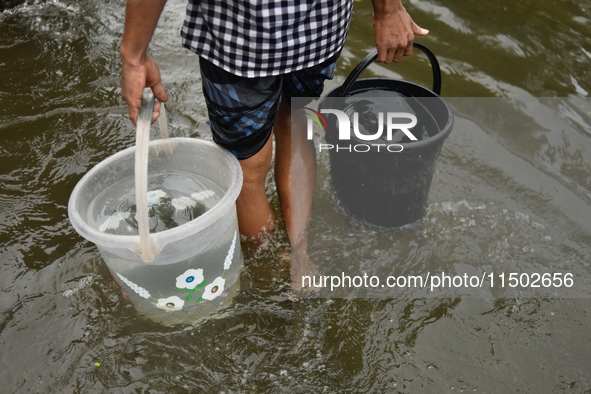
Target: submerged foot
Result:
[301, 267]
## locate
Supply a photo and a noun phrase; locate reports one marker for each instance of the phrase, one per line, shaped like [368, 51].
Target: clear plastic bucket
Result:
[197, 264]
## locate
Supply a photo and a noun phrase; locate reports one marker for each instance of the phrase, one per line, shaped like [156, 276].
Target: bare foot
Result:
[302, 272]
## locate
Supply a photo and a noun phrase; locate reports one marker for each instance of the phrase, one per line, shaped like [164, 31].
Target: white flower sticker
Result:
[154, 197]
[183, 203]
[202, 195]
[113, 221]
[230, 256]
[192, 283]
[214, 289]
[137, 289]
[190, 279]
[170, 304]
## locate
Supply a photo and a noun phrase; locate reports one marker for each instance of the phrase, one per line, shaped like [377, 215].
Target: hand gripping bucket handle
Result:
[371, 57]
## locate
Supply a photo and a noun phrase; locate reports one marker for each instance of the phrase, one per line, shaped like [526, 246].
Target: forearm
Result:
[386, 7]
[141, 18]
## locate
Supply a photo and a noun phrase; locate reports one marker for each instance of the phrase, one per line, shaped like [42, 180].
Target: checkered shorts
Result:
[242, 111]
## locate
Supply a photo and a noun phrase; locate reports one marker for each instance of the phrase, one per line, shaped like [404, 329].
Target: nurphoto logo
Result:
[353, 134]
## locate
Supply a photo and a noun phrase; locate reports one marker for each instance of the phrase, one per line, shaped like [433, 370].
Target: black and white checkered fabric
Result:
[256, 38]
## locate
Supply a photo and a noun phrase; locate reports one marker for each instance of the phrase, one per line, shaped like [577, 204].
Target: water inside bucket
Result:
[173, 199]
[372, 102]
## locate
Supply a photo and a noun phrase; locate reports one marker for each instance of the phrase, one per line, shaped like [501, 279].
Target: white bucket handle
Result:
[146, 249]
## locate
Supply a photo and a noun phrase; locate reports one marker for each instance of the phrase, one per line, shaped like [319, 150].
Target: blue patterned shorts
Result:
[242, 111]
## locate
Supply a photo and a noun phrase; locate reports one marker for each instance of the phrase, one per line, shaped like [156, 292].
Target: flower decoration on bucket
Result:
[112, 222]
[193, 280]
[203, 195]
[214, 289]
[136, 289]
[155, 196]
[190, 279]
[230, 256]
[189, 282]
[183, 203]
[170, 304]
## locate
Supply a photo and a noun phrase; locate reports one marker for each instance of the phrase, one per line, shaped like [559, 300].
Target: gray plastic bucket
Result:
[380, 187]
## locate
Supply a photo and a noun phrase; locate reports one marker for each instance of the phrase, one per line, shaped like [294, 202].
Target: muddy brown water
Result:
[502, 198]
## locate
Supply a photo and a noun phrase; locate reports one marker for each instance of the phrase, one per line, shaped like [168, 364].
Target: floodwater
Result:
[502, 198]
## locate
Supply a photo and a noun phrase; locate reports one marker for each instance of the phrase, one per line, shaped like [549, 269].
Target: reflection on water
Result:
[65, 327]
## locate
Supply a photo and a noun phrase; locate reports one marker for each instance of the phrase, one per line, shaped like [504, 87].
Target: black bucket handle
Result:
[371, 57]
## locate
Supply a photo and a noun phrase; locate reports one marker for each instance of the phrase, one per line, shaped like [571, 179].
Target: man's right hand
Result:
[134, 79]
[394, 30]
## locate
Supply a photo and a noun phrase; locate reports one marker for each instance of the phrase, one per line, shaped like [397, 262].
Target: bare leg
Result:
[295, 176]
[255, 215]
